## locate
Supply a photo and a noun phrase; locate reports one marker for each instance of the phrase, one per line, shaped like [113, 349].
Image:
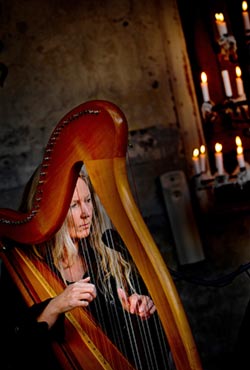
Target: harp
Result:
[94, 133]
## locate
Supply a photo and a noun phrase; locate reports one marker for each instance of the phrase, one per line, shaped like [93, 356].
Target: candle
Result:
[239, 82]
[227, 84]
[245, 16]
[219, 159]
[239, 149]
[203, 158]
[196, 162]
[204, 87]
[221, 24]
[240, 157]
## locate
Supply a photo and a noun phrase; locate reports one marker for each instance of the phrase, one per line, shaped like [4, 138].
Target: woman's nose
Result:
[84, 210]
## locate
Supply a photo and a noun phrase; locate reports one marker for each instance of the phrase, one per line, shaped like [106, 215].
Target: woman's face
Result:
[80, 211]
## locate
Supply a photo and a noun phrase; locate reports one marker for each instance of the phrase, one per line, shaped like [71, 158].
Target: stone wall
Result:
[59, 56]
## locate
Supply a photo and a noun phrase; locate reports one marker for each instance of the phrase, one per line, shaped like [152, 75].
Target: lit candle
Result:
[227, 84]
[203, 158]
[245, 16]
[219, 159]
[239, 82]
[240, 155]
[196, 162]
[221, 24]
[204, 87]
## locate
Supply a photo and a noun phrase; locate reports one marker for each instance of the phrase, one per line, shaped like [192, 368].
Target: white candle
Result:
[196, 162]
[240, 157]
[203, 158]
[204, 87]
[219, 159]
[227, 84]
[245, 16]
[221, 24]
[239, 82]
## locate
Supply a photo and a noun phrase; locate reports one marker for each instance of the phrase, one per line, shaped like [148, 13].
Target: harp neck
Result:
[94, 130]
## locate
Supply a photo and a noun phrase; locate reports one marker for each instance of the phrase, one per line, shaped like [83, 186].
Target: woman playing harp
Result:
[96, 277]
[95, 133]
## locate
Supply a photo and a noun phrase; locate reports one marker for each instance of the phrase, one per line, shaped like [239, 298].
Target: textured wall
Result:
[60, 54]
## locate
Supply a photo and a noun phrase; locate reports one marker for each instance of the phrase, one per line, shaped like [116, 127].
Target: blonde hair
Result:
[111, 262]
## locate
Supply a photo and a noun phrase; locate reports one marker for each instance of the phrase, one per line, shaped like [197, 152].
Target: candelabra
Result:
[221, 180]
[238, 179]
[223, 193]
[227, 169]
[232, 110]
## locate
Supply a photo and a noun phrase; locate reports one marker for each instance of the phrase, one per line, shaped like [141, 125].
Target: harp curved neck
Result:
[94, 130]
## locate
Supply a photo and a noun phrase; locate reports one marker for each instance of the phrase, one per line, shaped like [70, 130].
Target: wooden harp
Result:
[94, 133]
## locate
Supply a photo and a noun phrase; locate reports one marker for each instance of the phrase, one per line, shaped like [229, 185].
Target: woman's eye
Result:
[73, 205]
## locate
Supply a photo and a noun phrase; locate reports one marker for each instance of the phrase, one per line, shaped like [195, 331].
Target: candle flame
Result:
[244, 6]
[202, 149]
[196, 153]
[239, 150]
[203, 77]
[238, 71]
[218, 147]
[219, 17]
[238, 141]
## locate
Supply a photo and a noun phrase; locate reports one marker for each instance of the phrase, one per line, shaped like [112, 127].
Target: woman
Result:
[96, 277]
[69, 253]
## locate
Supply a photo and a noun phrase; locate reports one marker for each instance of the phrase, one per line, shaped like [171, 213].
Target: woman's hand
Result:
[140, 305]
[78, 294]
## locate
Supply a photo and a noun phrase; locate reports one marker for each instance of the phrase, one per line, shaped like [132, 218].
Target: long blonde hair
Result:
[111, 262]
